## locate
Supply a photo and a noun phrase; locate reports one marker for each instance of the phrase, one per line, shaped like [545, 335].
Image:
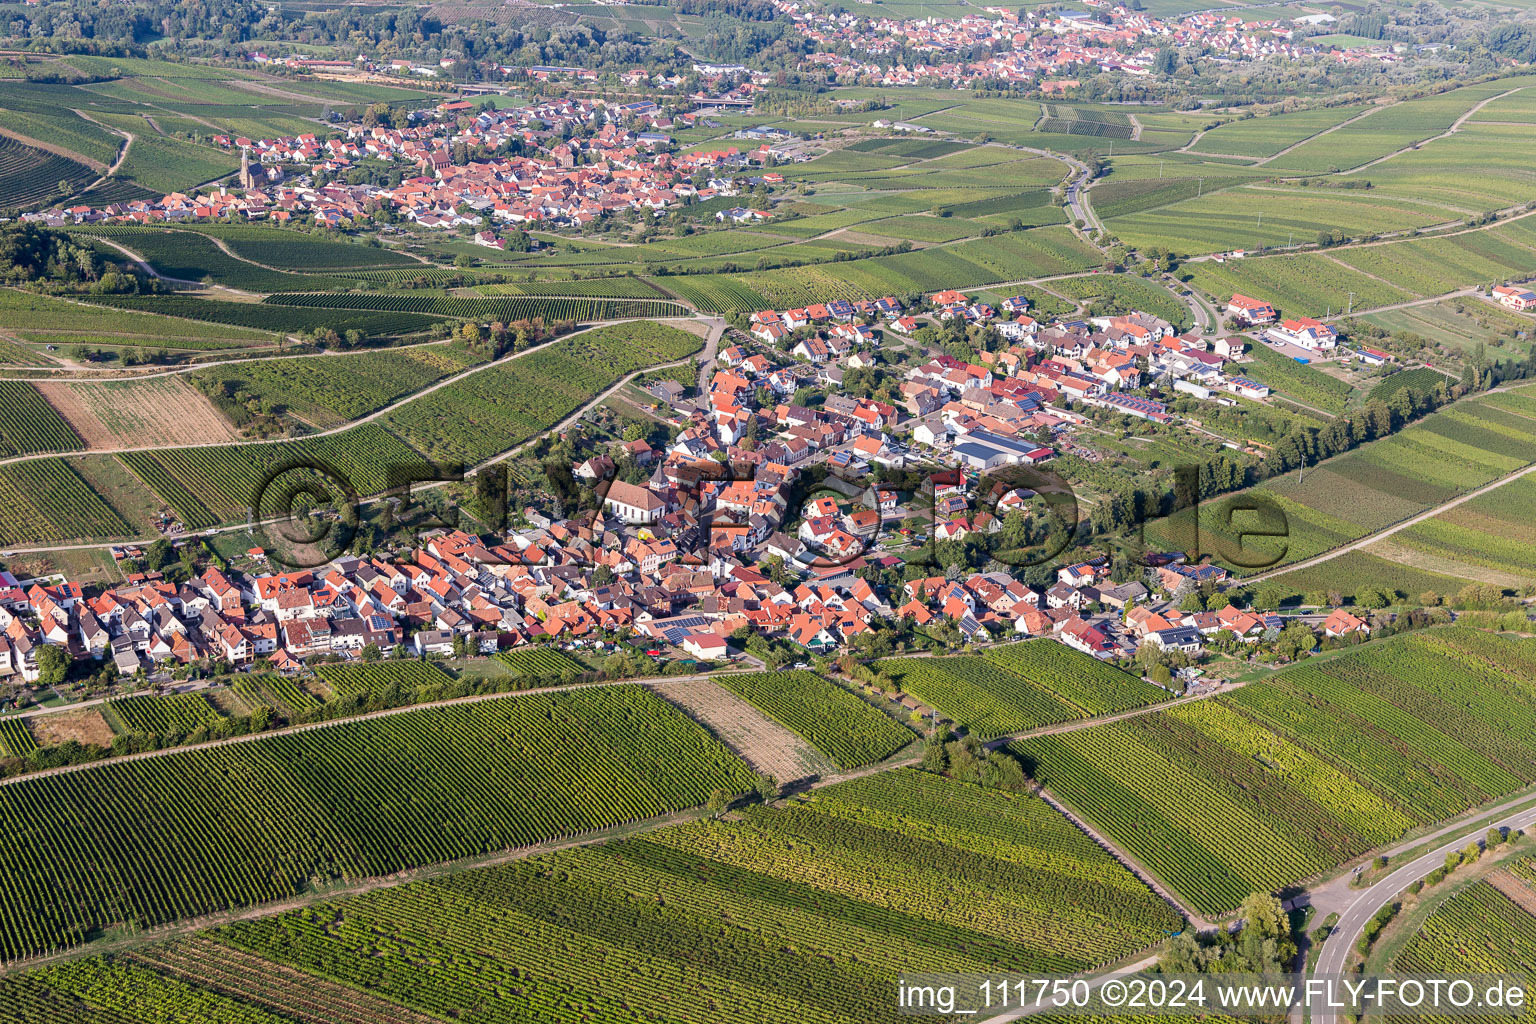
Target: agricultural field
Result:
[1457, 449]
[30, 177]
[262, 315]
[193, 256]
[208, 485]
[505, 310]
[834, 720]
[1255, 216]
[15, 740]
[1358, 570]
[538, 665]
[1305, 384]
[137, 413]
[355, 801]
[505, 405]
[286, 696]
[1288, 777]
[1117, 196]
[179, 713]
[1260, 137]
[330, 390]
[45, 500]
[1016, 688]
[1420, 378]
[292, 251]
[1494, 530]
[1299, 284]
[1487, 927]
[29, 424]
[1110, 294]
[801, 913]
[44, 317]
[371, 679]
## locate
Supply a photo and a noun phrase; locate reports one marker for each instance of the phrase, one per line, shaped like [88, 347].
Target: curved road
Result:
[1363, 906]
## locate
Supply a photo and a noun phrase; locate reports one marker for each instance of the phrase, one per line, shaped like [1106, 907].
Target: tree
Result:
[52, 664]
[718, 802]
[159, 555]
[371, 652]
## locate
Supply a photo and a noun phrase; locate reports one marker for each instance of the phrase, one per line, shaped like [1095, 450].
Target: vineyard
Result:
[802, 914]
[505, 310]
[335, 389]
[835, 721]
[207, 485]
[30, 176]
[289, 250]
[1487, 928]
[538, 664]
[15, 740]
[371, 679]
[29, 424]
[267, 818]
[179, 713]
[191, 256]
[1094, 686]
[499, 408]
[974, 693]
[1290, 776]
[280, 693]
[262, 316]
[45, 499]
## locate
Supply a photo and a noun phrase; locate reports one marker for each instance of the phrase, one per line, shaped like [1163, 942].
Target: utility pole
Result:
[1351, 304]
[1159, 168]
[1199, 187]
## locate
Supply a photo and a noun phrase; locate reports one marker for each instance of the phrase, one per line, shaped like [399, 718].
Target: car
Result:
[802, 664]
[654, 653]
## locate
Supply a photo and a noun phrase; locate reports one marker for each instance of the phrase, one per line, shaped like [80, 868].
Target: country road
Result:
[1366, 902]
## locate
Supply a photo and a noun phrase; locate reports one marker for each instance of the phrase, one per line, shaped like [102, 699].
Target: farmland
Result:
[190, 256]
[371, 679]
[1457, 449]
[538, 665]
[1014, 689]
[835, 721]
[1493, 530]
[159, 716]
[804, 913]
[1485, 928]
[1302, 284]
[354, 799]
[269, 317]
[207, 485]
[29, 424]
[128, 413]
[30, 176]
[506, 310]
[505, 405]
[1307, 385]
[45, 499]
[1310, 767]
[332, 390]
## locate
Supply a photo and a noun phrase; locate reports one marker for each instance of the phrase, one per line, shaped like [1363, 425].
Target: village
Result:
[622, 160]
[765, 530]
[1044, 48]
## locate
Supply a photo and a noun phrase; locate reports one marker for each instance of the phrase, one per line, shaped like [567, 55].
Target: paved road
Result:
[1353, 917]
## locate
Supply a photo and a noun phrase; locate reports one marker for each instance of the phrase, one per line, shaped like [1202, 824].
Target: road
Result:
[1364, 905]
